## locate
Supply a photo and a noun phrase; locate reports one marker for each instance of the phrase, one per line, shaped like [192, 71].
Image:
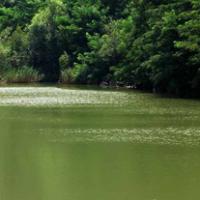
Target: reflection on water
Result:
[171, 136]
[101, 145]
[48, 96]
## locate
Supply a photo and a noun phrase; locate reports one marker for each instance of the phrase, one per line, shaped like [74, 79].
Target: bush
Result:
[64, 61]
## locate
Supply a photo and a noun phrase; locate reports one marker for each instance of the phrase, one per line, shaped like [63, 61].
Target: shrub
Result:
[64, 61]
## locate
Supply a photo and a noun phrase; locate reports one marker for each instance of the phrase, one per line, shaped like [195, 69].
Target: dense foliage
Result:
[148, 44]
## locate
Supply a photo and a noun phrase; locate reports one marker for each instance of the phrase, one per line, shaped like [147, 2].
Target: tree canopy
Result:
[148, 44]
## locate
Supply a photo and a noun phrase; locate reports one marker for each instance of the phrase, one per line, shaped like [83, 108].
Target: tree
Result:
[44, 45]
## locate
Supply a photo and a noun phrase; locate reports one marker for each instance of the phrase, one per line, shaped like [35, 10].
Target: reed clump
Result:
[23, 74]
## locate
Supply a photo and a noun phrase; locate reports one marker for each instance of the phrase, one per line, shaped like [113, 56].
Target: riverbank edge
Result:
[4, 83]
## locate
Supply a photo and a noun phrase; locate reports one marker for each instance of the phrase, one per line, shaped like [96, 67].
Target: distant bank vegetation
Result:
[146, 44]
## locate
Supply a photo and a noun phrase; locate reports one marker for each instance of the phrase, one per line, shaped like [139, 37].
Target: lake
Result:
[82, 143]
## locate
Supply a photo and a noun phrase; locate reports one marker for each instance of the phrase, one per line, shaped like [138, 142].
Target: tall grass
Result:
[22, 75]
[66, 76]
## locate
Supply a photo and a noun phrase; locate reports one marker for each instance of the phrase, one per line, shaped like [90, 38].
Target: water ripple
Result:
[168, 136]
[49, 96]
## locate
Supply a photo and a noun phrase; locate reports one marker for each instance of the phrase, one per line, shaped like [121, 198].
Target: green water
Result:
[87, 144]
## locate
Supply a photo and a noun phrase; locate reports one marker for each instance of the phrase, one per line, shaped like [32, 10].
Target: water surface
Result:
[91, 144]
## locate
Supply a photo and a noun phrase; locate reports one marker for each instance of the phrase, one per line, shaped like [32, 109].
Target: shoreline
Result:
[93, 86]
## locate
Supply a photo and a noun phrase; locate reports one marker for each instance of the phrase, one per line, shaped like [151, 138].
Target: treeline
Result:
[147, 44]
